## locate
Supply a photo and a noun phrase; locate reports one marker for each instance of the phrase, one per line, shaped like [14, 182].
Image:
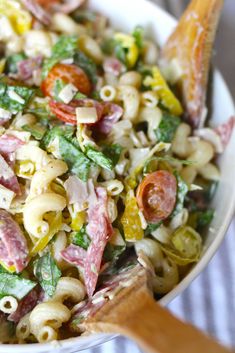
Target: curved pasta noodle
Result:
[23, 328]
[35, 209]
[25, 119]
[150, 53]
[108, 93]
[210, 172]
[91, 48]
[153, 116]
[202, 153]
[69, 288]
[188, 174]
[43, 177]
[49, 314]
[112, 210]
[151, 249]
[170, 277]
[8, 304]
[34, 154]
[149, 99]
[58, 245]
[65, 24]
[131, 101]
[180, 219]
[161, 234]
[131, 78]
[180, 143]
[114, 187]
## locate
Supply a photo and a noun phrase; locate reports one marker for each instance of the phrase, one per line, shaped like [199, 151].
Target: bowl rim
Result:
[180, 287]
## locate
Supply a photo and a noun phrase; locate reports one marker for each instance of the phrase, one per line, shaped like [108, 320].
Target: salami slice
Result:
[37, 11]
[25, 306]
[13, 245]
[28, 66]
[100, 230]
[75, 255]
[9, 144]
[225, 130]
[113, 66]
[112, 114]
[8, 177]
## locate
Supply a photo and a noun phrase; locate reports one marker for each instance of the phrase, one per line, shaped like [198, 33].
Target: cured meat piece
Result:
[27, 67]
[76, 190]
[112, 113]
[25, 306]
[8, 178]
[9, 144]
[113, 66]
[37, 11]
[13, 246]
[225, 130]
[100, 230]
[75, 255]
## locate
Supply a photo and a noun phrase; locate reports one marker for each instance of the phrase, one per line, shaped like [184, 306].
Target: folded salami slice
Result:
[13, 246]
[8, 177]
[225, 130]
[75, 255]
[25, 306]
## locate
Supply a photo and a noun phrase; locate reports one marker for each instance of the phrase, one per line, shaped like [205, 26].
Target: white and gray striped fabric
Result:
[208, 303]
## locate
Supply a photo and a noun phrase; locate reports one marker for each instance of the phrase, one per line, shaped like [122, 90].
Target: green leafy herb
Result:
[65, 48]
[37, 131]
[14, 285]
[151, 164]
[167, 127]
[12, 62]
[151, 228]
[99, 157]
[87, 65]
[57, 88]
[47, 273]
[120, 52]
[205, 218]
[138, 34]
[80, 95]
[182, 190]
[113, 152]
[81, 238]
[112, 252]
[10, 104]
[63, 130]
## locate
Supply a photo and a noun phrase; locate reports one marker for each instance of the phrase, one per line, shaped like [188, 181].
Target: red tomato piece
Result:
[156, 195]
[68, 74]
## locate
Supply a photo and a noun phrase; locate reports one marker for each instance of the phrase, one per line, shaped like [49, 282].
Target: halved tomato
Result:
[68, 74]
[156, 195]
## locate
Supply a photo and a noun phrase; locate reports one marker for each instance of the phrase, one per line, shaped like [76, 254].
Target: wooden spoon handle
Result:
[154, 328]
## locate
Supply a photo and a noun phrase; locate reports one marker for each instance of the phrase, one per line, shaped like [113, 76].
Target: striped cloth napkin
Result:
[208, 303]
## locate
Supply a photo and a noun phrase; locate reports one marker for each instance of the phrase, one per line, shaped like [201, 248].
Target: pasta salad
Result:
[99, 167]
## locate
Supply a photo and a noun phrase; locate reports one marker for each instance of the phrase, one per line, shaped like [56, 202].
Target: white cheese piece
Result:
[6, 197]
[5, 114]
[86, 115]
[22, 135]
[68, 61]
[16, 97]
[194, 187]
[6, 29]
[67, 93]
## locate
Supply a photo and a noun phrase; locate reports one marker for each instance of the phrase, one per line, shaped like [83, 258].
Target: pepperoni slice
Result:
[156, 195]
[100, 230]
[13, 245]
[67, 113]
[8, 178]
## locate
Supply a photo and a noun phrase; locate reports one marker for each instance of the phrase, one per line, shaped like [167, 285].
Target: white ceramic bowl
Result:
[126, 14]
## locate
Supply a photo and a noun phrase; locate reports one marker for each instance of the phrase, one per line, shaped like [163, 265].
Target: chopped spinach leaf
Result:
[151, 228]
[108, 45]
[58, 86]
[112, 252]
[204, 218]
[167, 128]
[47, 273]
[182, 190]
[81, 238]
[63, 130]
[120, 52]
[138, 34]
[65, 48]
[18, 287]
[10, 104]
[113, 152]
[99, 157]
[12, 62]
[87, 65]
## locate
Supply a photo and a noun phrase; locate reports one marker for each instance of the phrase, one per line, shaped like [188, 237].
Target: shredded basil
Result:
[11, 284]
[10, 104]
[167, 127]
[47, 273]
[81, 238]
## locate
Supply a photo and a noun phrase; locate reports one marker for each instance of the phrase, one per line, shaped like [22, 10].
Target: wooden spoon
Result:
[191, 44]
[133, 312]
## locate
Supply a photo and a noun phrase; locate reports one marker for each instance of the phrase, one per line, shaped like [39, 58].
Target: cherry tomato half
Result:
[68, 74]
[156, 195]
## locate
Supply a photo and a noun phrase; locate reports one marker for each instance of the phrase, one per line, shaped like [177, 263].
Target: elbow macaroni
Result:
[131, 101]
[36, 208]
